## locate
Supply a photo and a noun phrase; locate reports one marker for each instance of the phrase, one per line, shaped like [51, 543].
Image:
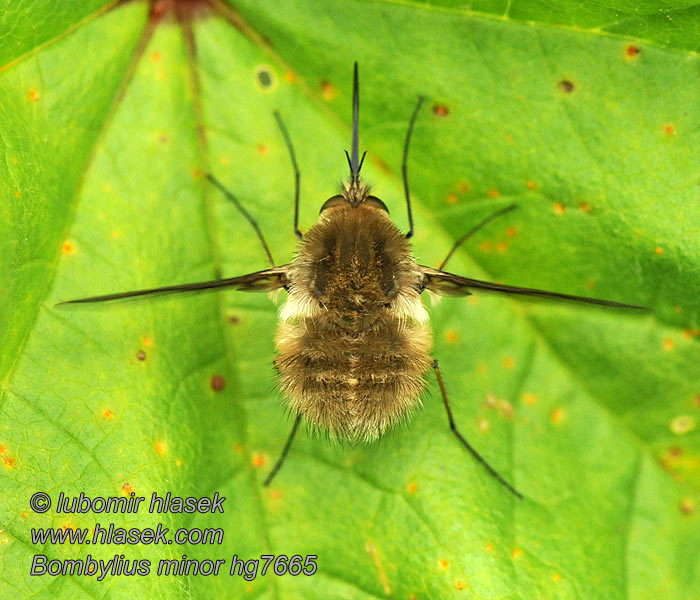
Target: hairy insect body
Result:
[353, 346]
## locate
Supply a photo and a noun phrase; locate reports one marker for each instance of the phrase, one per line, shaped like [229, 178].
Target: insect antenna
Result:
[297, 174]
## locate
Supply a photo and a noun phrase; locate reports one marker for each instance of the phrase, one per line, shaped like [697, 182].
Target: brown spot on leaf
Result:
[218, 382]
[566, 86]
[584, 207]
[440, 110]
[632, 52]
[141, 355]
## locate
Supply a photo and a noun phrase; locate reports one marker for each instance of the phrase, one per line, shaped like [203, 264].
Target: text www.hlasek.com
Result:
[119, 564]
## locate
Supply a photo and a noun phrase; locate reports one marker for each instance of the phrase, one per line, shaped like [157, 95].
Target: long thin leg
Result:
[297, 176]
[465, 443]
[406, 143]
[245, 213]
[473, 230]
[287, 446]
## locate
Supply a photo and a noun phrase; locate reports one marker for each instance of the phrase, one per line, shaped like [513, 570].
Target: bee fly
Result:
[353, 342]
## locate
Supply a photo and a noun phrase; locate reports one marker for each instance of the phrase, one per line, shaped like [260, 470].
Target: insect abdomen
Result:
[356, 384]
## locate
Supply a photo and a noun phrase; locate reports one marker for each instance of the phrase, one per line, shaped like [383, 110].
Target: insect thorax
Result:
[353, 345]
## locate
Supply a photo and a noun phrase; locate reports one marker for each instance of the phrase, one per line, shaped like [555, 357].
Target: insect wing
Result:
[260, 281]
[449, 284]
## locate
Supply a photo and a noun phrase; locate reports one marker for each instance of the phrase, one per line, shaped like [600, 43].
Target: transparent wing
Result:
[260, 281]
[449, 284]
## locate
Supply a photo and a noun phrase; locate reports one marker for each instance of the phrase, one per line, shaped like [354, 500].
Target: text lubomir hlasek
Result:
[132, 504]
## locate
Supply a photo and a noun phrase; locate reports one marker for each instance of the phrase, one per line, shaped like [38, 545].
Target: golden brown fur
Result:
[353, 349]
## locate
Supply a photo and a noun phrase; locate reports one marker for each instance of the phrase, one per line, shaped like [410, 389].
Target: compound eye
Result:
[333, 202]
[376, 203]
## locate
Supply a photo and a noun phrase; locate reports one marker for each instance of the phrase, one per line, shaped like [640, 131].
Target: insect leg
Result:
[464, 442]
[404, 172]
[285, 450]
[245, 213]
[473, 230]
[297, 175]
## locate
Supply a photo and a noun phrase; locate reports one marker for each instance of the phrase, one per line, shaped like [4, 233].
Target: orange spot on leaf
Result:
[160, 448]
[529, 398]
[517, 552]
[508, 362]
[511, 231]
[687, 506]
[155, 56]
[411, 488]
[452, 198]
[493, 193]
[558, 208]
[68, 248]
[443, 564]
[258, 460]
[557, 416]
[488, 548]
[463, 187]
[262, 149]
[290, 76]
[33, 95]
[668, 344]
[107, 414]
[459, 585]
[451, 336]
[531, 185]
[328, 90]
[440, 110]
[127, 488]
[659, 250]
[669, 129]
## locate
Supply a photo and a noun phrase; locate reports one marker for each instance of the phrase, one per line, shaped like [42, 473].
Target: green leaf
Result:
[584, 115]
